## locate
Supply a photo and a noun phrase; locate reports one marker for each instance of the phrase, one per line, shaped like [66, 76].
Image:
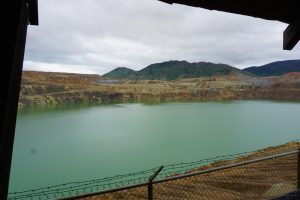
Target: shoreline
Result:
[70, 104]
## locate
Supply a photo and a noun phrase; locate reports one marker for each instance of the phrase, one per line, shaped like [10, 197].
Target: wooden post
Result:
[291, 36]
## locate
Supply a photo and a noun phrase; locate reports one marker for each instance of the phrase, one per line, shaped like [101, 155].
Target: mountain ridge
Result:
[174, 69]
[275, 68]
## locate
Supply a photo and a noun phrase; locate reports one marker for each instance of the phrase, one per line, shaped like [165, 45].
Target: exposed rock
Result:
[57, 88]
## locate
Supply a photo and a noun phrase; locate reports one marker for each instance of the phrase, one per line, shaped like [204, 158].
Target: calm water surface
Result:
[72, 143]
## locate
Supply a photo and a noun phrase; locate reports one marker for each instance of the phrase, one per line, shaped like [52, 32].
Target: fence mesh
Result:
[139, 193]
[260, 180]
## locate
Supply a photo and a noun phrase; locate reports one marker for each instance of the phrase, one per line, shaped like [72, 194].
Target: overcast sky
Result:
[96, 36]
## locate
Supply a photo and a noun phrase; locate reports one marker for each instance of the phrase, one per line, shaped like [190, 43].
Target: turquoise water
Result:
[60, 144]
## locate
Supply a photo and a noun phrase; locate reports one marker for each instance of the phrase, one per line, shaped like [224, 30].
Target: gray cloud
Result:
[96, 36]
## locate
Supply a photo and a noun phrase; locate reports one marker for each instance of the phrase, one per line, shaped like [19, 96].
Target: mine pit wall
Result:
[80, 96]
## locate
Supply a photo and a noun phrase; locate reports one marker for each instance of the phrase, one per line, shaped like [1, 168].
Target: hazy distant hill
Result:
[120, 73]
[172, 70]
[275, 68]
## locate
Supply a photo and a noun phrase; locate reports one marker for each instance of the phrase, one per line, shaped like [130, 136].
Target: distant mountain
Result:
[275, 68]
[172, 70]
[120, 73]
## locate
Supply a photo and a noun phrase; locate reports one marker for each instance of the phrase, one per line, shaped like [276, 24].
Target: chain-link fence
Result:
[263, 174]
[259, 180]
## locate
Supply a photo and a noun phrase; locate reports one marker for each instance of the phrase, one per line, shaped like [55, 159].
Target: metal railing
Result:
[262, 175]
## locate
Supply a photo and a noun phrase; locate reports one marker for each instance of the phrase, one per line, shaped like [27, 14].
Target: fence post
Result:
[150, 180]
[298, 170]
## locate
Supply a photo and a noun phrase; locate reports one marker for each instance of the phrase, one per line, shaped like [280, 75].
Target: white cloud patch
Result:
[96, 36]
[57, 67]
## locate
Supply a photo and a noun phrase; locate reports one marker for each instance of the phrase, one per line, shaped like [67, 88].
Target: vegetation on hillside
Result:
[173, 70]
[121, 73]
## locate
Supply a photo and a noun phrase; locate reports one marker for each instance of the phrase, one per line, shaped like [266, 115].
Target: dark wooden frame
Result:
[19, 14]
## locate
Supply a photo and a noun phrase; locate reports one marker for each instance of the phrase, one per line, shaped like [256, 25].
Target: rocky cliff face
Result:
[58, 88]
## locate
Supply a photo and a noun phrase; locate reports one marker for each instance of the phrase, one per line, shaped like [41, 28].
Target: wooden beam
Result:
[33, 12]
[10, 79]
[291, 36]
[285, 11]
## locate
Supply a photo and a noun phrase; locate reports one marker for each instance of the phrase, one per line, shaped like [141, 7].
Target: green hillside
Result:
[121, 73]
[172, 70]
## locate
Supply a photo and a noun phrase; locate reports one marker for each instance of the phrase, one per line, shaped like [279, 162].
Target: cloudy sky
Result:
[96, 36]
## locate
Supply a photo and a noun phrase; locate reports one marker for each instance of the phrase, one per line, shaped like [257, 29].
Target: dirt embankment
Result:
[55, 88]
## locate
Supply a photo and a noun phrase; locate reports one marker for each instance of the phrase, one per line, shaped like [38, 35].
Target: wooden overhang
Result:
[287, 11]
